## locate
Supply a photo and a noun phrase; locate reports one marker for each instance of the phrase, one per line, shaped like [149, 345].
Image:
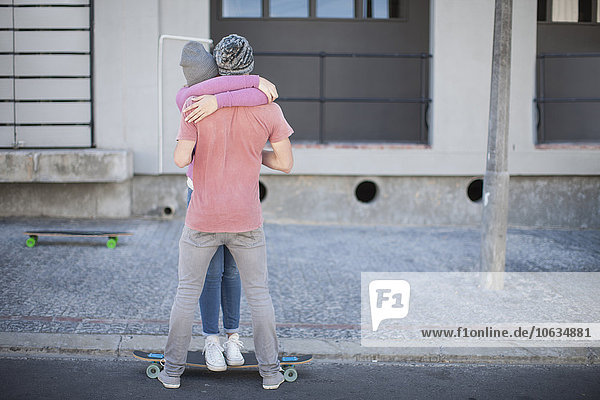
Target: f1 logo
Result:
[389, 299]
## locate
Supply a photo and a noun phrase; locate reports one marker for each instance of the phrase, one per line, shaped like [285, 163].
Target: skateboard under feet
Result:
[196, 359]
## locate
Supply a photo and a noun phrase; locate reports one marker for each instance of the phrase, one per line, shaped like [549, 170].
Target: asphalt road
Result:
[69, 377]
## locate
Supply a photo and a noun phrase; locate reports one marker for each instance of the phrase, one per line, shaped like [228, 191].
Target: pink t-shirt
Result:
[227, 162]
[230, 91]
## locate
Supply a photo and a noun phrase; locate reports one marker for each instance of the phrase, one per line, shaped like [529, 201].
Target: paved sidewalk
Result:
[66, 287]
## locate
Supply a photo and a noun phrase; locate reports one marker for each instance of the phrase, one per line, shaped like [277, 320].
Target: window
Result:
[242, 8]
[564, 11]
[382, 9]
[315, 9]
[585, 11]
[568, 89]
[335, 8]
[568, 11]
[288, 8]
[363, 78]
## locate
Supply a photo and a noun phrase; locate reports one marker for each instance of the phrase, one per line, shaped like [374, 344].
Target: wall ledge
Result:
[66, 165]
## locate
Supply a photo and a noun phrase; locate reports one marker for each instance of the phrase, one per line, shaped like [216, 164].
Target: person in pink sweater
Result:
[204, 93]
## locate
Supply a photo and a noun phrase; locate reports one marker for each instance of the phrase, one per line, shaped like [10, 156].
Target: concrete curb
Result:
[66, 165]
[122, 345]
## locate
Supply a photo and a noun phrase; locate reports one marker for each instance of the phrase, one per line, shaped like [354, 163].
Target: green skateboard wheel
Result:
[290, 374]
[111, 243]
[31, 242]
[152, 371]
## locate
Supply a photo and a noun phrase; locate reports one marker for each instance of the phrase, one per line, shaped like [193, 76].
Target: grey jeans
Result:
[196, 249]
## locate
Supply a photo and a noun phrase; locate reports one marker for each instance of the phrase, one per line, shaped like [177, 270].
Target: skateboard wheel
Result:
[31, 242]
[290, 374]
[111, 243]
[152, 371]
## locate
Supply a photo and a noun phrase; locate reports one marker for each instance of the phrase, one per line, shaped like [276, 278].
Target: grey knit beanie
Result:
[234, 55]
[197, 63]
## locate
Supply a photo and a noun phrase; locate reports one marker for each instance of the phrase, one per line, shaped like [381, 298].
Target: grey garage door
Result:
[346, 70]
[45, 73]
[568, 71]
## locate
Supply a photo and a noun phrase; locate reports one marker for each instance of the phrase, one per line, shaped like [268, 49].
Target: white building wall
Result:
[126, 41]
[125, 53]
[461, 44]
[187, 18]
[126, 73]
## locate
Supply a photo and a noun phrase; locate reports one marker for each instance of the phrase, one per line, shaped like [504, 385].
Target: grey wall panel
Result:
[54, 136]
[372, 77]
[53, 112]
[572, 77]
[294, 76]
[303, 118]
[6, 65]
[6, 113]
[58, 65]
[52, 41]
[49, 17]
[371, 122]
[52, 89]
[572, 38]
[43, 116]
[572, 122]
[6, 89]
[6, 41]
[6, 18]
[6, 136]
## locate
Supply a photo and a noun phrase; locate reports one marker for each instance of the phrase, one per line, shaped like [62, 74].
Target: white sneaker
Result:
[233, 355]
[213, 353]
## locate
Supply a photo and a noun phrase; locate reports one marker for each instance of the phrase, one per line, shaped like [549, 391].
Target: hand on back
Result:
[201, 107]
[268, 89]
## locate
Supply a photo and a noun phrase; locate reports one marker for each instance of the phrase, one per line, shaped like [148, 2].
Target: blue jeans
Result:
[222, 289]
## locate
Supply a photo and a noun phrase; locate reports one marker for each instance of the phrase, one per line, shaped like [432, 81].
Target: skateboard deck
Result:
[111, 243]
[196, 359]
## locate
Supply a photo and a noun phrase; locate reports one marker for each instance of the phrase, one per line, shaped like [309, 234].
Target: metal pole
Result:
[322, 98]
[91, 11]
[16, 144]
[496, 180]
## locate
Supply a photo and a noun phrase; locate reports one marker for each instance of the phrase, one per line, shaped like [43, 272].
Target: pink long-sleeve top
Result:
[230, 91]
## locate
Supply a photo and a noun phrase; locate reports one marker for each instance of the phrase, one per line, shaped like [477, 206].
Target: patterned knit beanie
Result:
[197, 63]
[234, 55]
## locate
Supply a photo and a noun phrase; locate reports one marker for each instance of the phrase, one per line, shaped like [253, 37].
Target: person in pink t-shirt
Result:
[228, 149]
[222, 285]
